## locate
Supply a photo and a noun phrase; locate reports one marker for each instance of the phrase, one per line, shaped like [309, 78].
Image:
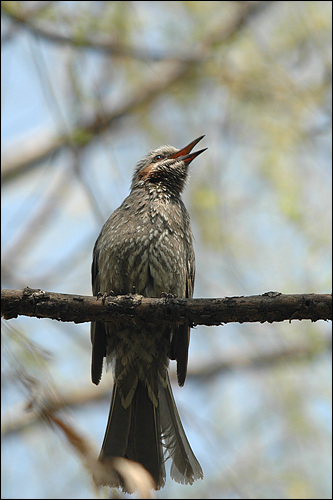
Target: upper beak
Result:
[184, 152]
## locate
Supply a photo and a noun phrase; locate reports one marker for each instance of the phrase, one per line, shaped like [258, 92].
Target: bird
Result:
[146, 245]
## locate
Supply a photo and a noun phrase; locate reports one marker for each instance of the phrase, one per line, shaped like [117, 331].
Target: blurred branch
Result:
[134, 476]
[49, 90]
[35, 225]
[30, 12]
[18, 418]
[112, 47]
[270, 307]
[30, 152]
[166, 73]
[83, 41]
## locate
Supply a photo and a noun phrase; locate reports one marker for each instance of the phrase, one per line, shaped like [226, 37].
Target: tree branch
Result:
[270, 307]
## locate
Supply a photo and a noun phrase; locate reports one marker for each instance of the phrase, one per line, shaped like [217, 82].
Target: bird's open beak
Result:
[185, 153]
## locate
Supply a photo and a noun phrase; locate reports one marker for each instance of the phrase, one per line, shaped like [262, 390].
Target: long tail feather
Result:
[144, 440]
[118, 428]
[135, 433]
[185, 467]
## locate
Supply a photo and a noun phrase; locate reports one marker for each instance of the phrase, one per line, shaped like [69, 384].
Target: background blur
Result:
[87, 89]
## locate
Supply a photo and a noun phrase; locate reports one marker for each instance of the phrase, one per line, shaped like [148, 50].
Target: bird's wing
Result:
[181, 335]
[97, 331]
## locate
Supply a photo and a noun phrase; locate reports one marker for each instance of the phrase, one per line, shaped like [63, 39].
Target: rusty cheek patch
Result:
[145, 172]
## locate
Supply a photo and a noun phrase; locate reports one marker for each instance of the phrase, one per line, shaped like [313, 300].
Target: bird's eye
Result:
[158, 157]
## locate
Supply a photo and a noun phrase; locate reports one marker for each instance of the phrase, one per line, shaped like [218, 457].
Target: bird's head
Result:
[166, 167]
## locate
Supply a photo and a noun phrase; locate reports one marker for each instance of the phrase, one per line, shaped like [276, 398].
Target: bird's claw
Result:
[167, 295]
[105, 295]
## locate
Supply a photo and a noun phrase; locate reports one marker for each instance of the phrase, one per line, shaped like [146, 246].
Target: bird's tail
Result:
[185, 467]
[134, 433]
[139, 432]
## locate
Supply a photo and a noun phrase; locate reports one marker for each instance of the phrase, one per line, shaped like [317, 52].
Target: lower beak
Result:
[188, 158]
[187, 149]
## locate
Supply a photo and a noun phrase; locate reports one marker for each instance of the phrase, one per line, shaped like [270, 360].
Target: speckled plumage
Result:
[146, 246]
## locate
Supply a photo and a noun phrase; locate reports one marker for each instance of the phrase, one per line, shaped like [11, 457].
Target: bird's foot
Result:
[105, 295]
[165, 295]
